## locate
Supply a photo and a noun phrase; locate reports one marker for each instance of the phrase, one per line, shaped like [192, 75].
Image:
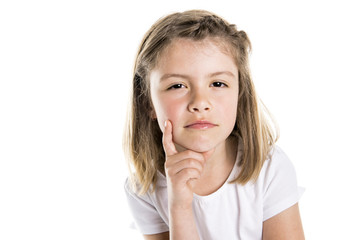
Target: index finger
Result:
[168, 144]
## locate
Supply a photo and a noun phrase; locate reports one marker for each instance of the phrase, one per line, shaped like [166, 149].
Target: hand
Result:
[182, 170]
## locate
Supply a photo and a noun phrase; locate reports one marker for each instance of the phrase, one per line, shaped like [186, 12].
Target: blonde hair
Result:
[143, 137]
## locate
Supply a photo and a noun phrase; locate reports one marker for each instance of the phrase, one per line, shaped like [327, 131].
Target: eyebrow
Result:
[176, 75]
[222, 73]
[170, 75]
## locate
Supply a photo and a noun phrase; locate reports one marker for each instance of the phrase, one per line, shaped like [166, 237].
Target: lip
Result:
[202, 124]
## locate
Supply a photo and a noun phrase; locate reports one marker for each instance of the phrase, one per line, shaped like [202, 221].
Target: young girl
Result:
[198, 140]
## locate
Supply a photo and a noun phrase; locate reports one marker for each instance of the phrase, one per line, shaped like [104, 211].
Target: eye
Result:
[218, 84]
[176, 86]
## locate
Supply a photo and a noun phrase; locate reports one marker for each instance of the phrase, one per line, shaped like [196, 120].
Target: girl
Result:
[203, 154]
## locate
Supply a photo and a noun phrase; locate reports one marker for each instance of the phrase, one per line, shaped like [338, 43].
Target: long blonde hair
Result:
[142, 137]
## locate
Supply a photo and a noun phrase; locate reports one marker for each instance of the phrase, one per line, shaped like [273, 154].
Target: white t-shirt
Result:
[234, 211]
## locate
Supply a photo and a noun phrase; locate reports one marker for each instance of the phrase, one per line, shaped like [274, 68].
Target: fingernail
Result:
[165, 123]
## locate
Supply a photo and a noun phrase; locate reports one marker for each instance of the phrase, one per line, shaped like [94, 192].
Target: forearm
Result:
[182, 225]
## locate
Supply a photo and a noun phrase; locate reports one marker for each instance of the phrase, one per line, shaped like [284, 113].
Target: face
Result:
[195, 86]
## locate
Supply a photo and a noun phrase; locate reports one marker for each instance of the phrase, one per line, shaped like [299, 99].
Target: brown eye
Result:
[176, 86]
[218, 84]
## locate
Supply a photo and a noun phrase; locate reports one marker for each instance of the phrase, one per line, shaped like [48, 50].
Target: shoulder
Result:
[149, 210]
[279, 183]
[277, 163]
[132, 190]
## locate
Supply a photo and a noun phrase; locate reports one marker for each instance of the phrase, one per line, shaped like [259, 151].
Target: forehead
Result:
[181, 48]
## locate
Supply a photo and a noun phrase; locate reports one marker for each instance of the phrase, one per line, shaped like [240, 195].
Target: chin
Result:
[199, 142]
[197, 147]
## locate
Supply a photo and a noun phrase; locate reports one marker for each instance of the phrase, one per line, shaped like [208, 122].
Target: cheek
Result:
[229, 109]
[171, 110]
[168, 109]
[229, 105]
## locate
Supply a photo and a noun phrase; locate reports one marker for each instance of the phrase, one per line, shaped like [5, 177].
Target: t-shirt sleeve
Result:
[146, 217]
[280, 190]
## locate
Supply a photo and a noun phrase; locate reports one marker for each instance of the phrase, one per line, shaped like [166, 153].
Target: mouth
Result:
[203, 124]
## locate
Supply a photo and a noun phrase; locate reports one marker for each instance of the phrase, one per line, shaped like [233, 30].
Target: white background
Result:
[65, 70]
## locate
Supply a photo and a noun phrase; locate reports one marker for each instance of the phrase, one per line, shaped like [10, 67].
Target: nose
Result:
[199, 102]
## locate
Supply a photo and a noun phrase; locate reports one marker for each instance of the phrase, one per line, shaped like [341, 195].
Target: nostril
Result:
[199, 105]
[196, 109]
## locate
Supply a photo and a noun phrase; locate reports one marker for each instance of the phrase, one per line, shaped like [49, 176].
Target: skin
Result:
[193, 86]
[195, 81]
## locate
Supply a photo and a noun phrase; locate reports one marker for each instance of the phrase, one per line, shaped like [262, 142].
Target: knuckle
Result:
[171, 172]
[189, 171]
[192, 162]
[194, 155]
[188, 154]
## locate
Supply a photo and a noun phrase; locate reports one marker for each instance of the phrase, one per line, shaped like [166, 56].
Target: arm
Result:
[182, 169]
[182, 226]
[285, 225]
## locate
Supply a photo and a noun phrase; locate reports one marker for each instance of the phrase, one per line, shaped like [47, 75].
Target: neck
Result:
[217, 168]
[224, 154]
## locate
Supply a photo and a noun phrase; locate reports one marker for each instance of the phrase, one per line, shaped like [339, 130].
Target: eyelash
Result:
[176, 86]
[214, 84]
[221, 83]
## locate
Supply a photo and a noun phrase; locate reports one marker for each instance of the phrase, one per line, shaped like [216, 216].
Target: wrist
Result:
[182, 223]
[176, 208]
